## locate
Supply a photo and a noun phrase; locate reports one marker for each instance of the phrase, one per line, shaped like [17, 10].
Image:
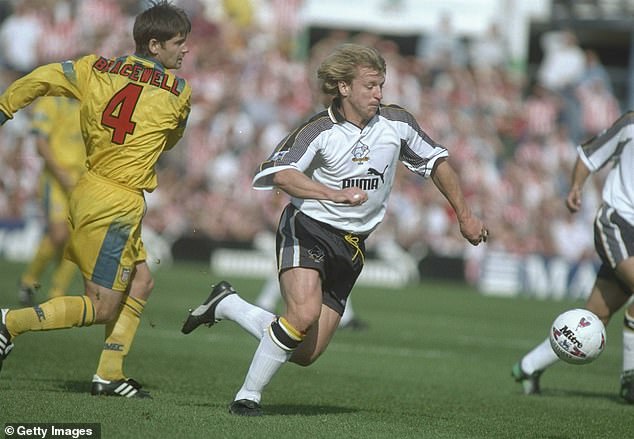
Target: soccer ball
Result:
[577, 336]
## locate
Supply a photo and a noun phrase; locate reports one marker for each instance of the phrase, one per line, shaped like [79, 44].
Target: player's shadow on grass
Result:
[613, 396]
[84, 387]
[75, 386]
[306, 410]
[72, 386]
[295, 409]
[56, 385]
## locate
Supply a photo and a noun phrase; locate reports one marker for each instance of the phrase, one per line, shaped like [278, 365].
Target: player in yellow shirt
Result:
[132, 109]
[61, 146]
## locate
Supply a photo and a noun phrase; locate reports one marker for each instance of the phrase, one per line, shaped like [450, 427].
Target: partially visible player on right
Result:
[614, 243]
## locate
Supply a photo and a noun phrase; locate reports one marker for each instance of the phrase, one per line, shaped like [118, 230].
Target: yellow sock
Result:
[62, 277]
[119, 336]
[57, 313]
[44, 254]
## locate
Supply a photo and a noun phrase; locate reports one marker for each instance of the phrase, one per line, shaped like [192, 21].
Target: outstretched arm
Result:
[580, 174]
[46, 80]
[446, 180]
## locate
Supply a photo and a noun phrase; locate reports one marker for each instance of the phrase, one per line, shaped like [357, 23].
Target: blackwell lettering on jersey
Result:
[138, 73]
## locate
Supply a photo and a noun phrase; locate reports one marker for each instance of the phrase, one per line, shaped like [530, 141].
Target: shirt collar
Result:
[333, 111]
[337, 116]
[151, 59]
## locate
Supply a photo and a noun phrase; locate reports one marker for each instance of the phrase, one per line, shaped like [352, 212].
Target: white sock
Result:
[348, 314]
[628, 343]
[269, 295]
[541, 357]
[628, 349]
[252, 319]
[267, 360]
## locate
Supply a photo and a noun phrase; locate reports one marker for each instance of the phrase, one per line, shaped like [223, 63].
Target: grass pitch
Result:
[434, 363]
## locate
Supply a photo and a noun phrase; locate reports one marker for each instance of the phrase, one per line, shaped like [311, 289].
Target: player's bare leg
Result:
[625, 271]
[300, 335]
[317, 338]
[110, 379]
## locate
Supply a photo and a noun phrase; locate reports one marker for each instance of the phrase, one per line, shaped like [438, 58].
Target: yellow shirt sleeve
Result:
[54, 79]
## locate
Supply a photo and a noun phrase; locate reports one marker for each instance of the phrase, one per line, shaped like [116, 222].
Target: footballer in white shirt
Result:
[338, 168]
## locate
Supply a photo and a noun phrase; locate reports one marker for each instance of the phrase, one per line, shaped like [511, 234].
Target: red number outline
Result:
[118, 113]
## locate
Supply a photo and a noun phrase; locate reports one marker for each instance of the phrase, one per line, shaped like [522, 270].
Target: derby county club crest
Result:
[360, 153]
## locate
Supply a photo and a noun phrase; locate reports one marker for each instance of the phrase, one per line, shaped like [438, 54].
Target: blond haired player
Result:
[60, 144]
[338, 168]
[132, 110]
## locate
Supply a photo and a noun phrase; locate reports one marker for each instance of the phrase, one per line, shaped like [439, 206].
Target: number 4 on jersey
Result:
[118, 112]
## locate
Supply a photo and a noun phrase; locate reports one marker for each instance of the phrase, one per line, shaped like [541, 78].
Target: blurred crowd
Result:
[511, 137]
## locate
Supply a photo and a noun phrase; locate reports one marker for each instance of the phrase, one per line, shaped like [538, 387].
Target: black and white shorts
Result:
[613, 241]
[337, 255]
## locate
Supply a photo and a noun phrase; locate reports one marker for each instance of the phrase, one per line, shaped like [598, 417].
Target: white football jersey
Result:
[339, 154]
[614, 145]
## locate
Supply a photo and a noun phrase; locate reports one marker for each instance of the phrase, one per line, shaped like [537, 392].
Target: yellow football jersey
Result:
[57, 119]
[132, 109]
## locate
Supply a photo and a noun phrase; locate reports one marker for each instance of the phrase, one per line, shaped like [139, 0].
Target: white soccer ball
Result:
[577, 336]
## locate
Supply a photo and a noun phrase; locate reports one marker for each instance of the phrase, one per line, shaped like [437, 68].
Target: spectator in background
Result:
[20, 55]
[599, 107]
[570, 238]
[19, 169]
[103, 25]
[442, 49]
[595, 70]
[490, 50]
[541, 111]
[561, 70]
[62, 34]
[239, 11]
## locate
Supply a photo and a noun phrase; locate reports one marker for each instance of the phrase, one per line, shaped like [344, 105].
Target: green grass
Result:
[434, 363]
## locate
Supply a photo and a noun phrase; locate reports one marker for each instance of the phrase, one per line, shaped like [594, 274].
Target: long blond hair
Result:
[342, 65]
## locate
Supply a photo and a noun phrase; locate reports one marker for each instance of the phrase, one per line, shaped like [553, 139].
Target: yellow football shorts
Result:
[105, 240]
